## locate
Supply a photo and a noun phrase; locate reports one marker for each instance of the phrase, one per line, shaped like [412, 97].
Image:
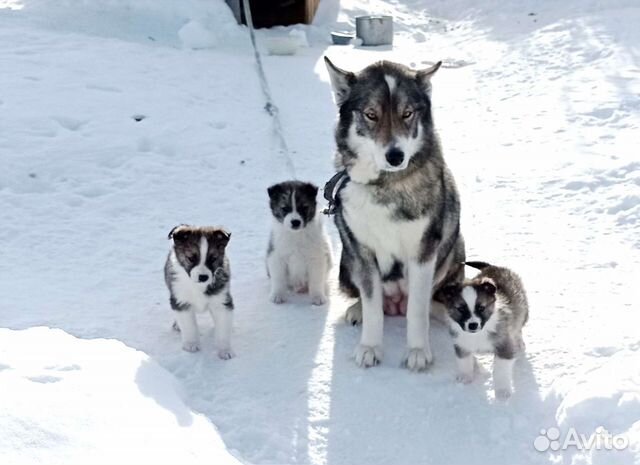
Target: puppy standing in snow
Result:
[299, 254]
[197, 274]
[486, 314]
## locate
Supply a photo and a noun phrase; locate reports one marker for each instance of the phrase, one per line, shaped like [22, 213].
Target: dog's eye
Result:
[480, 308]
[407, 114]
[371, 115]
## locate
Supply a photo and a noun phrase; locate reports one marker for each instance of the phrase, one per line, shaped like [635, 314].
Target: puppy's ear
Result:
[341, 81]
[175, 231]
[275, 191]
[310, 190]
[424, 76]
[447, 292]
[488, 285]
[221, 238]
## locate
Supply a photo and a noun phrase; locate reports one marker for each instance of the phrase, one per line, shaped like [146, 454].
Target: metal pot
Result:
[375, 30]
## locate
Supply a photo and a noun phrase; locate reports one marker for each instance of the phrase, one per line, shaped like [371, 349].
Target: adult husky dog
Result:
[395, 202]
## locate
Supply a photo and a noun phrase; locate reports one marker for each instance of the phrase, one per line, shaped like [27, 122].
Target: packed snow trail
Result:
[538, 116]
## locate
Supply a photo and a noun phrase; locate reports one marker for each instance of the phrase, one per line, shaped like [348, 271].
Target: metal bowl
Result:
[375, 30]
[342, 38]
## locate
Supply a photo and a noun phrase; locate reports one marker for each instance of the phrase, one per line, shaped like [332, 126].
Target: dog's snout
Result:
[473, 326]
[394, 156]
[295, 224]
[203, 277]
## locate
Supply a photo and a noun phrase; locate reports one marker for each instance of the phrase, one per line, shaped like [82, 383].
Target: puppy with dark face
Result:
[471, 305]
[299, 254]
[197, 275]
[486, 314]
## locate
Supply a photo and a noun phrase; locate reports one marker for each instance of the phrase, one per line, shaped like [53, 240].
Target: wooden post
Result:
[310, 10]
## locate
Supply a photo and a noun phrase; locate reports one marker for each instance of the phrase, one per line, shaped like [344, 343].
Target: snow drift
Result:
[71, 401]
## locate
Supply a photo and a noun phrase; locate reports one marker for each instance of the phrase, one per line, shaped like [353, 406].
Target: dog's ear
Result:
[447, 292]
[275, 191]
[488, 286]
[221, 238]
[341, 81]
[175, 232]
[424, 75]
[309, 190]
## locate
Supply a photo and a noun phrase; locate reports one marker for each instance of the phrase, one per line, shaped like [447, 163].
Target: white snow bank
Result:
[606, 401]
[195, 35]
[208, 23]
[73, 401]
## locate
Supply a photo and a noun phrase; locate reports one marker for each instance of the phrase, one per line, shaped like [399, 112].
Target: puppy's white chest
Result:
[300, 250]
[373, 225]
[475, 342]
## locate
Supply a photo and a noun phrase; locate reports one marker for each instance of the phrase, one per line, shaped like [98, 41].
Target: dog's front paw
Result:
[191, 346]
[464, 378]
[418, 359]
[503, 393]
[226, 354]
[367, 356]
[318, 299]
[353, 316]
[278, 297]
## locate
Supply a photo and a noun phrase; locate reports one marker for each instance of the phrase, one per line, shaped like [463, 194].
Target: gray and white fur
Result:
[299, 253]
[486, 315]
[197, 275]
[399, 213]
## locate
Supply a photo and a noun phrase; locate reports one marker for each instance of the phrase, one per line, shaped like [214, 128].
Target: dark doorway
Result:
[269, 13]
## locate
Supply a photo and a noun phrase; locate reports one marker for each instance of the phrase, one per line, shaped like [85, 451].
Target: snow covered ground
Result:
[538, 106]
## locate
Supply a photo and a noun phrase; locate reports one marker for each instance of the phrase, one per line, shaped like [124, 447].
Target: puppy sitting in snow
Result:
[299, 255]
[197, 274]
[486, 314]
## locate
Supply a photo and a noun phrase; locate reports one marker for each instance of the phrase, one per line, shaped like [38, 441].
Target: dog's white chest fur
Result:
[299, 249]
[300, 260]
[374, 226]
[185, 290]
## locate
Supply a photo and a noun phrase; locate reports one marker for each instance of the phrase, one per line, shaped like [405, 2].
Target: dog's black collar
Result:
[331, 189]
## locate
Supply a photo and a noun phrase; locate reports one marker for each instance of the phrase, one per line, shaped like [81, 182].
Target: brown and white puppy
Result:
[486, 315]
[197, 274]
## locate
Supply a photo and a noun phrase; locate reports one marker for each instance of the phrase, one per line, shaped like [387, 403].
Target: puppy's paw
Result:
[503, 393]
[278, 297]
[226, 354]
[464, 378]
[367, 356]
[353, 315]
[318, 299]
[191, 346]
[418, 359]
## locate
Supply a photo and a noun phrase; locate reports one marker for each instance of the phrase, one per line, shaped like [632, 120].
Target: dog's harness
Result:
[332, 188]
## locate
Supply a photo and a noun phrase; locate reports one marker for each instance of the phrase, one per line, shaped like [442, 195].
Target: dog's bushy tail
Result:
[478, 265]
